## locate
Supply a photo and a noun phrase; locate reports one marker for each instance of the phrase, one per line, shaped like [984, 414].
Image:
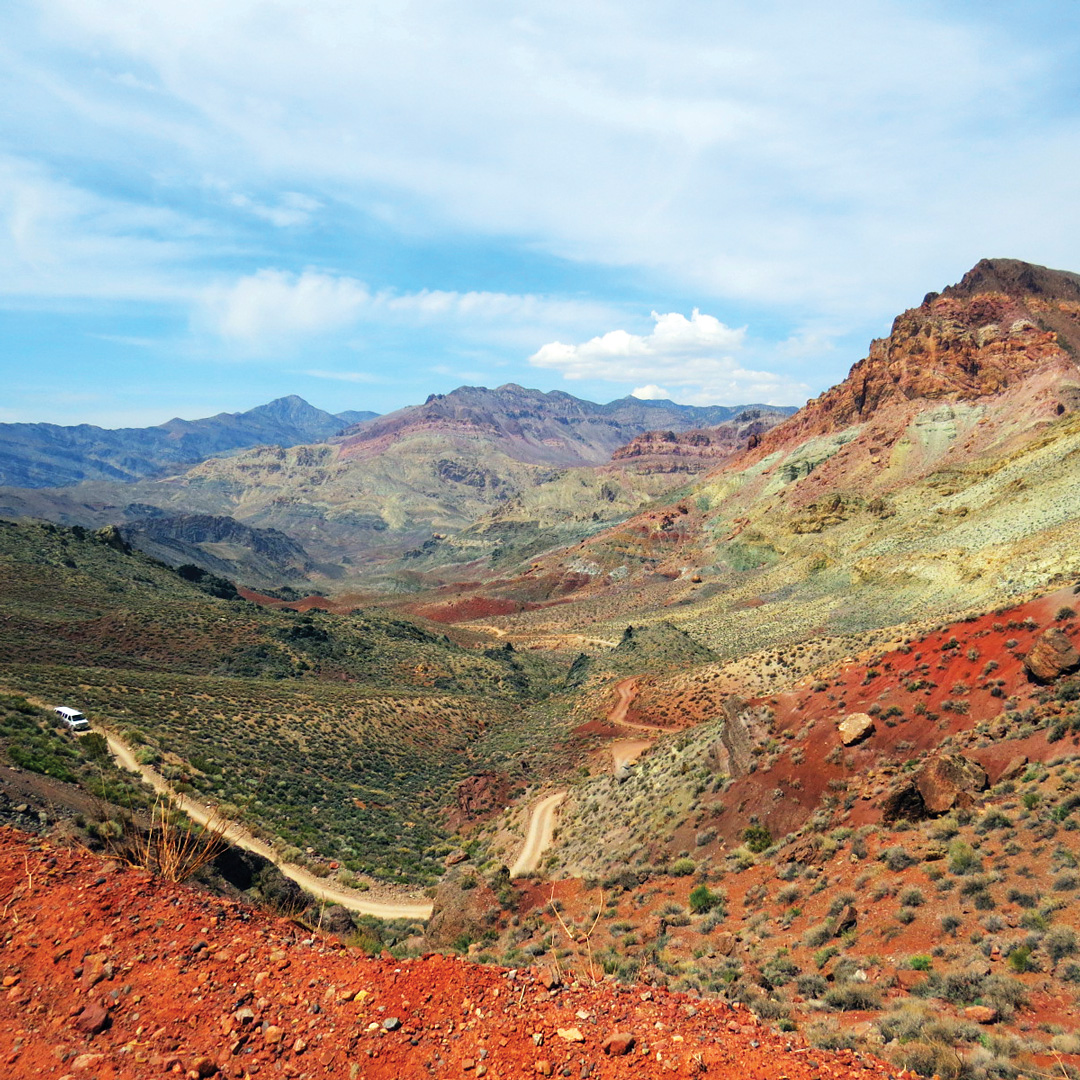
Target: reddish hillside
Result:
[110, 974]
[1002, 322]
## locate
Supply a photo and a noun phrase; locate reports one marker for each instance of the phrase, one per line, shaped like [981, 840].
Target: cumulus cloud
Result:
[651, 393]
[695, 355]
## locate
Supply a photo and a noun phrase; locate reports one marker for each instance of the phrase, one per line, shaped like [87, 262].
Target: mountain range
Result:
[50, 455]
[385, 485]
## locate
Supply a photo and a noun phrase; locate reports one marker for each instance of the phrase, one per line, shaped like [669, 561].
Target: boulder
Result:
[724, 943]
[903, 803]
[847, 921]
[855, 727]
[336, 920]
[981, 1014]
[1051, 656]
[948, 780]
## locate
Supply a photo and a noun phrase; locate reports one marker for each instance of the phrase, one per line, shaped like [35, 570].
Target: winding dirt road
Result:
[538, 840]
[627, 691]
[236, 834]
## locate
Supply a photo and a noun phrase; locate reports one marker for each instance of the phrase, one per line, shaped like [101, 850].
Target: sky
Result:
[207, 205]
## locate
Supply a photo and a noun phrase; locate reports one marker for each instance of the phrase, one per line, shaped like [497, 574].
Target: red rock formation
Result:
[1002, 322]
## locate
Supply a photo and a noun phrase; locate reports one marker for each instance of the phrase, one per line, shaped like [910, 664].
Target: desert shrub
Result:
[920, 962]
[912, 897]
[683, 867]
[757, 838]
[962, 859]
[788, 895]
[851, 996]
[896, 858]
[780, 969]
[1020, 959]
[811, 985]
[829, 1037]
[1024, 899]
[950, 924]
[823, 956]
[817, 935]
[1060, 942]
[766, 1008]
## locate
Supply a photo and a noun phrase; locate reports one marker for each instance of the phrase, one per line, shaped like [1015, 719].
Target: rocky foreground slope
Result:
[109, 973]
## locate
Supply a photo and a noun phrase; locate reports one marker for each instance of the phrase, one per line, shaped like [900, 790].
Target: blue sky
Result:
[204, 206]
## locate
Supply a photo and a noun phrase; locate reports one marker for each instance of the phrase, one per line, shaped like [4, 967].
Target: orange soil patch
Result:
[190, 984]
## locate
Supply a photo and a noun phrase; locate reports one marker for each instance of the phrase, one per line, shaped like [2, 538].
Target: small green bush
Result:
[703, 899]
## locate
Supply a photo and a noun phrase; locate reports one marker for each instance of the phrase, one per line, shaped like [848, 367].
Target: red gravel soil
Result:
[110, 973]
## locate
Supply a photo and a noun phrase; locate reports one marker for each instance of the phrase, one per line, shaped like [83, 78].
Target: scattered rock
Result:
[549, 978]
[85, 1062]
[94, 1018]
[455, 857]
[1051, 656]
[847, 921]
[618, 1043]
[391, 1023]
[855, 727]
[543, 1067]
[724, 943]
[981, 1014]
[570, 1034]
[204, 1067]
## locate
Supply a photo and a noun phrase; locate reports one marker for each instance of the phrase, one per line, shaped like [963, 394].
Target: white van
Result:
[73, 718]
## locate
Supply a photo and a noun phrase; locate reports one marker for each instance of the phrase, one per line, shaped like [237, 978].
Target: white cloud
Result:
[271, 305]
[695, 355]
[652, 392]
[272, 308]
[58, 240]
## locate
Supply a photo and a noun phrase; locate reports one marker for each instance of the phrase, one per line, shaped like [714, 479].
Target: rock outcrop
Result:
[465, 907]
[947, 781]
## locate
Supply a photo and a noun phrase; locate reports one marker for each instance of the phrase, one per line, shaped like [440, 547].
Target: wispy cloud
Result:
[272, 308]
[757, 152]
[344, 376]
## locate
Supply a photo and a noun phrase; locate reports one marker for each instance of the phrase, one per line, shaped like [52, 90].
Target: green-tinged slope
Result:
[343, 733]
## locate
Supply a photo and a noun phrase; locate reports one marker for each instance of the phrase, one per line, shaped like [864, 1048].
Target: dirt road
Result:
[538, 840]
[236, 834]
[627, 691]
[626, 751]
